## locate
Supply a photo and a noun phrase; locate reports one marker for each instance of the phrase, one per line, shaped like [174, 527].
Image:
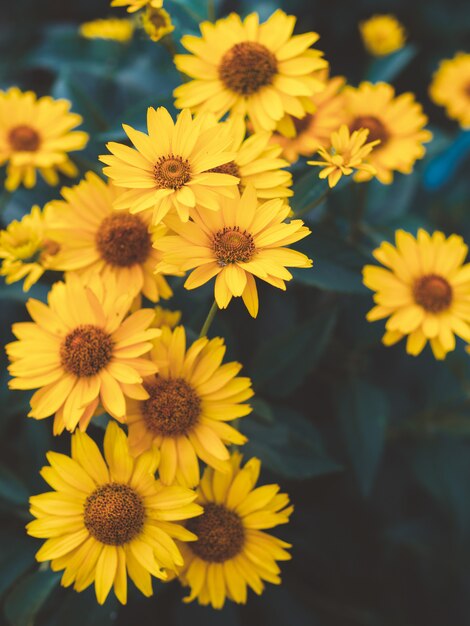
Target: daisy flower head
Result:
[108, 518]
[137, 5]
[382, 35]
[113, 28]
[95, 238]
[313, 131]
[157, 23]
[450, 88]
[257, 70]
[191, 400]
[169, 168]
[348, 153]
[36, 134]
[423, 290]
[233, 551]
[80, 350]
[397, 121]
[27, 248]
[243, 240]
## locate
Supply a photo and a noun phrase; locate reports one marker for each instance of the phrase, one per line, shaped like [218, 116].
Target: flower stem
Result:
[209, 319]
[312, 205]
[211, 10]
[357, 213]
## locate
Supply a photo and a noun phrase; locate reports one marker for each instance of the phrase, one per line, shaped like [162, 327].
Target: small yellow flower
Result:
[242, 240]
[424, 290]
[27, 248]
[136, 5]
[348, 154]
[382, 35]
[450, 88]
[36, 134]
[109, 518]
[113, 28]
[233, 551]
[157, 23]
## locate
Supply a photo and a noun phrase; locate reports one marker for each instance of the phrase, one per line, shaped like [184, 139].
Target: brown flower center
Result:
[86, 350]
[114, 514]
[376, 129]
[220, 534]
[172, 172]
[302, 124]
[232, 245]
[173, 407]
[247, 67]
[433, 293]
[24, 138]
[227, 168]
[123, 240]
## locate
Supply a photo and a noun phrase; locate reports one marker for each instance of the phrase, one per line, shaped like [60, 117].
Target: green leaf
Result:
[363, 413]
[387, 68]
[16, 555]
[282, 363]
[307, 190]
[26, 599]
[12, 489]
[290, 446]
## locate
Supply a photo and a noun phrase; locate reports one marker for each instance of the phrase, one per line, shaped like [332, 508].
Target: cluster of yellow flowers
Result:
[209, 197]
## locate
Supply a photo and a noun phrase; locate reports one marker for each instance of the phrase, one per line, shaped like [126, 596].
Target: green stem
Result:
[314, 204]
[209, 319]
[357, 213]
[211, 10]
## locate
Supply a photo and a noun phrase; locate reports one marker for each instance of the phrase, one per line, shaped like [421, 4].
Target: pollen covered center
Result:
[377, 130]
[172, 172]
[232, 245]
[86, 350]
[23, 138]
[247, 67]
[227, 168]
[114, 514]
[173, 407]
[220, 534]
[433, 293]
[123, 240]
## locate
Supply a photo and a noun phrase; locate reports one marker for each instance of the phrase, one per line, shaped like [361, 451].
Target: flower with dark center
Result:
[220, 533]
[433, 293]
[173, 407]
[377, 130]
[86, 350]
[23, 138]
[123, 240]
[172, 172]
[232, 245]
[247, 67]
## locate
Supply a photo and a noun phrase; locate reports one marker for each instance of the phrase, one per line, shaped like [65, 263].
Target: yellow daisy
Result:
[397, 121]
[306, 135]
[166, 317]
[95, 238]
[136, 5]
[170, 166]
[242, 240]
[157, 23]
[233, 551]
[109, 518]
[79, 350]
[259, 71]
[382, 35]
[348, 153]
[424, 290]
[113, 28]
[36, 134]
[27, 248]
[191, 399]
[450, 88]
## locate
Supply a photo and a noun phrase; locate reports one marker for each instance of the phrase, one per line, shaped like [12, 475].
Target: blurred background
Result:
[373, 445]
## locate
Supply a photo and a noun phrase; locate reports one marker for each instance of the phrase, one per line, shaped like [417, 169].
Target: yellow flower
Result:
[191, 399]
[157, 23]
[243, 240]
[397, 121]
[259, 71]
[96, 239]
[36, 134]
[347, 154]
[233, 551]
[79, 350]
[424, 290]
[28, 248]
[136, 5]
[382, 35]
[305, 136]
[165, 317]
[450, 88]
[169, 168]
[113, 28]
[108, 518]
